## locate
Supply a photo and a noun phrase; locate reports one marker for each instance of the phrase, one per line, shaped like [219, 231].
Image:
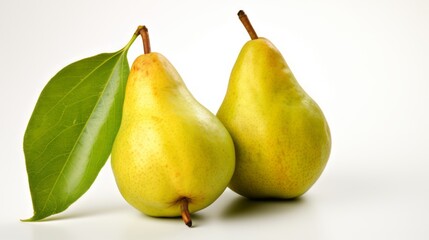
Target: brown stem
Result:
[145, 37]
[186, 216]
[137, 32]
[246, 22]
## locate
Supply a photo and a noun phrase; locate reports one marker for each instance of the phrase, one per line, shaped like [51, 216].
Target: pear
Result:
[282, 139]
[171, 156]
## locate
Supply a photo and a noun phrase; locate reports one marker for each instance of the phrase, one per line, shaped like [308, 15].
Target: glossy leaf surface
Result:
[71, 131]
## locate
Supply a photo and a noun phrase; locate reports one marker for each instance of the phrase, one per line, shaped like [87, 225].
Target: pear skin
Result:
[171, 156]
[282, 139]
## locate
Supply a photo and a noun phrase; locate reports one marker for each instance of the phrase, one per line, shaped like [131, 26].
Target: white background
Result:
[365, 62]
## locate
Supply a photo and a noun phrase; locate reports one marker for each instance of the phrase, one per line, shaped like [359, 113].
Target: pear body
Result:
[169, 147]
[282, 139]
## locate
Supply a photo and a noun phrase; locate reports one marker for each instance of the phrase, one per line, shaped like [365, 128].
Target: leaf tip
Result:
[34, 218]
[27, 220]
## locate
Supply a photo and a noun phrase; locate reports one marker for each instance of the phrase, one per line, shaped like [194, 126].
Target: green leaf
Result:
[71, 131]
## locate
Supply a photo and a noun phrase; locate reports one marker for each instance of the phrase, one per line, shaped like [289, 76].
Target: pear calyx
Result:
[246, 22]
[186, 216]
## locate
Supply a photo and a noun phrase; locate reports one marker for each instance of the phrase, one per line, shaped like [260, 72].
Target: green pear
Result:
[282, 139]
[171, 156]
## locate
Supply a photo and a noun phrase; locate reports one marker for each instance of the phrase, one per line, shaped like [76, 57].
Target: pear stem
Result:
[186, 216]
[246, 22]
[145, 37]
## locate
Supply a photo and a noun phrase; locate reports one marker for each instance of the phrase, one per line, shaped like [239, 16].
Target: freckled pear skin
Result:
[171, 156]
[281, 136]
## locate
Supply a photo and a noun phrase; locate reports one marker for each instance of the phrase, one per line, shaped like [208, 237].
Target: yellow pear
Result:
[171, 156]
[281, 137]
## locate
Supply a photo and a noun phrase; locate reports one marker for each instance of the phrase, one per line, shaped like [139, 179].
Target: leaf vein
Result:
[82, 80]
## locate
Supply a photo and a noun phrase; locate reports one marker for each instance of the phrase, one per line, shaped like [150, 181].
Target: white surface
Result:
[364, 62]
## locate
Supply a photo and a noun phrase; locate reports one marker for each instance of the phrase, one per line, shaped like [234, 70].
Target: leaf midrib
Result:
[82, 80]
[71, 90]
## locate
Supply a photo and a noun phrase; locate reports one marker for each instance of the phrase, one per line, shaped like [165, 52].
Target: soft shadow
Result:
[244, 207]
[85, 212]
